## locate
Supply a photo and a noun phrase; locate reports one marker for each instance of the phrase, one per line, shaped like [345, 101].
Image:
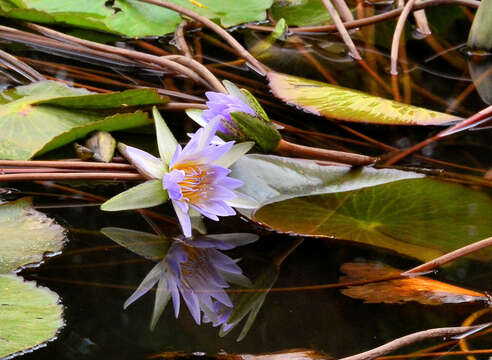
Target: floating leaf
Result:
[130, 17]
[269, 178]
[336, 102]
[27, 235]
[301, 13]
[419, 288]
[421, 218]
[133, 97]
[149, 246]
[30, 315]
[27, 129]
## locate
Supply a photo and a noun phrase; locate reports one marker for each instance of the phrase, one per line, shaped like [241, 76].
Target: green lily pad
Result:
[336, 102]
[421, 218]
[301, 13]
[28, 128]
[131, 17]
[29, 235]
[269, 178]
[29, 315]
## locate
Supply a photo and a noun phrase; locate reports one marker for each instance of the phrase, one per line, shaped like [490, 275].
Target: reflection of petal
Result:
[200, 273]
[148, 282]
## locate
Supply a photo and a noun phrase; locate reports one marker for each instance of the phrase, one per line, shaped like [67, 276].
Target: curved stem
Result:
[200, 69]
[372, 19]
[395, 44]
[179, 36]
[216, 28]
[412, 339]
[341, 29]
[152, 59]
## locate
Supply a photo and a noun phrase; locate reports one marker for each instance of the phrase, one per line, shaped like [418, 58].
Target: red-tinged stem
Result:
[465, 124]
[73, 176]
[67, 164]
[289, 148]
[214, 27]
[372, 19]
[412, 339]
[466, 250]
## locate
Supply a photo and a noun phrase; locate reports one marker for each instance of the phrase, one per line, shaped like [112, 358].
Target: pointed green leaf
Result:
[420, 218]
[165, 139]
[30, 316]
[147, 194]
[336, 102]
[28, 235]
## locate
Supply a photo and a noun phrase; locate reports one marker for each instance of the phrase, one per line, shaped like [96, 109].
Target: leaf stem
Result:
[372, 19]
[466, 250]
[216, 28]
[412, 339]
[125, 176]
[313, 153]
[67, 164]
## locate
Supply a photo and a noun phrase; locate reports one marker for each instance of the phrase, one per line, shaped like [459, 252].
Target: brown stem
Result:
[324, 154]
[60, 164]
[200, 69]
[216, 28]
[395, 44]
[412, 339]
[73, 176]
[124, 53]
[342, 30]
[20, 67]
[472, 120]
[430, 265]
[372, 19]
[436, 354]
[181, 43]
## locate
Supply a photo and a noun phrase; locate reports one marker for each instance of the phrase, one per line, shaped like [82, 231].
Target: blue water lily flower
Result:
[195, 177]
[220, 107]
[197, 271]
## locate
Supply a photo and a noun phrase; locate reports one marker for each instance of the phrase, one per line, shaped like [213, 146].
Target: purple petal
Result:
[183, 217]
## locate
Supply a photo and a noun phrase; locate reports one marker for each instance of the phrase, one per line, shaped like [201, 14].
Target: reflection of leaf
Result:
[149, 246]
[251, 302]
[27, 129]
[26, 235]
[340, 103]
[130, 17]
[270, 178]
[29, 315]
[418, 288]
[301, 13]
[421, 218]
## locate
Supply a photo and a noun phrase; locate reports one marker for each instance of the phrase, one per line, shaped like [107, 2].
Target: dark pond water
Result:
[94, 276]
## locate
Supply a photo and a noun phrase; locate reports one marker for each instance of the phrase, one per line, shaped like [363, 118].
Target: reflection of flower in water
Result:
[196, 269]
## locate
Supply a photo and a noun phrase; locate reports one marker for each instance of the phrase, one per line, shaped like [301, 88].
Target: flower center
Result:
[193, 183]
